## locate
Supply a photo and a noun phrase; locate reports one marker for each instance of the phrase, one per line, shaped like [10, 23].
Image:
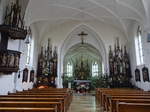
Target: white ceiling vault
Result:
[114, 12]
[86, 51]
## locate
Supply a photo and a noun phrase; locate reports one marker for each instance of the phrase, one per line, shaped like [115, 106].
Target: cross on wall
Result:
[82, 34]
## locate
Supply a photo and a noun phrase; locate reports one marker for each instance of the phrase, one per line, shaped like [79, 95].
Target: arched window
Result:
[138, 47]
[29, 49]
[69, 69]
[95, 69]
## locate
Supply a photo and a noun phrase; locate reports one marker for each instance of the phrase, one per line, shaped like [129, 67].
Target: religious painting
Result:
[137, 75]
[25, 75]
[145, 74]
[32, 76]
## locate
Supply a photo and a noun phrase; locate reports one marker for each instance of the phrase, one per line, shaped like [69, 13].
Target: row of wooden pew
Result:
[37, 100]
[123, 100]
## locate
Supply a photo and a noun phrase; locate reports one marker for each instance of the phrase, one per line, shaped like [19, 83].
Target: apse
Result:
[82, 61]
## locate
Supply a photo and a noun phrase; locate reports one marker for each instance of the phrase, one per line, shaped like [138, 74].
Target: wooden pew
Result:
[106, 97]
[109, 98]
[36, 93]
[50, 91]
[133, 107]
[25, 99]
[27, 109]
[53, 93]
[66, 92]
[56, 105]
[119, 92]
[66, 101]
[113, 103]
[67, 95]
[65, 98]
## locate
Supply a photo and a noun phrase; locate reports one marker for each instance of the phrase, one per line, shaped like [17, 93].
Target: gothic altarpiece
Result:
[81, 70]
[119, 66]
[47, 66]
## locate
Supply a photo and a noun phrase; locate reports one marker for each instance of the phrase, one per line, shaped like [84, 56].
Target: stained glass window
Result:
[95, 69]
[69, 69]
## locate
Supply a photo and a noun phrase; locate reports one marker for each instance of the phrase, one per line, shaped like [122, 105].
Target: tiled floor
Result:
[82, 103]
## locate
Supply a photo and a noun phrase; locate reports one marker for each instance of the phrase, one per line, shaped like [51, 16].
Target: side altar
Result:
[82, 86]
[47, 67]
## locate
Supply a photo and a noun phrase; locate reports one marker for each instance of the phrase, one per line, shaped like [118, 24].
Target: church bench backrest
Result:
[31, 104]
[53, 89]
[67, 100]
[18, 109]
[127, 96]
[133, 107]
[123, 93]
[69, 96]
[38, 93]
[19, 98]
[106, 101]
[103, 94]
[113, 103]
[28, 95]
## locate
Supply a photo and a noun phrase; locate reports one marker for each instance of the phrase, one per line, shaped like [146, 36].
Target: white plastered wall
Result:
[146, 52]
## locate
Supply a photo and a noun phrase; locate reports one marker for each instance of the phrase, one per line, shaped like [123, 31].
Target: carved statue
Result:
[4, 61]
[13, 15]
[11, 61]
[17, 60]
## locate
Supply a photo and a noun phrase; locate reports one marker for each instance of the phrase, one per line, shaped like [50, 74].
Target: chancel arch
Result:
[73, 39]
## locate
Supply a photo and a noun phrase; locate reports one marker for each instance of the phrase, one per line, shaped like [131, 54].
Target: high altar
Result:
[82, 73]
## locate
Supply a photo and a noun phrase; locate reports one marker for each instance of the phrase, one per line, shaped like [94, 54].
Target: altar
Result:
[82, 86]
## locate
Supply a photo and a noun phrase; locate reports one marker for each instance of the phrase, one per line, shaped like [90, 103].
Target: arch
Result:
[94, 40]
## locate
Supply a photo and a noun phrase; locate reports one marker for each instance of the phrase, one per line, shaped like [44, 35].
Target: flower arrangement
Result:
[82, 88]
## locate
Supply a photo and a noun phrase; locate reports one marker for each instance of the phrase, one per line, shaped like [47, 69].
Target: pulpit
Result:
[82, 86]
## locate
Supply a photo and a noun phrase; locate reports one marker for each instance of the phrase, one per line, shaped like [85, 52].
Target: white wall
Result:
[146, 52]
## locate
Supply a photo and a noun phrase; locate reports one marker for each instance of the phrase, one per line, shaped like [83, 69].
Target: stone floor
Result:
[84, 103]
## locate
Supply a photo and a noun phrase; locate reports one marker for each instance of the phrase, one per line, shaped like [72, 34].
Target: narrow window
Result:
[69, 69]
[29, 47]
[95, 69]
[138, 47]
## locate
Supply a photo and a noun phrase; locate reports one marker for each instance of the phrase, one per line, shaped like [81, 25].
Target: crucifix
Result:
[82, 34]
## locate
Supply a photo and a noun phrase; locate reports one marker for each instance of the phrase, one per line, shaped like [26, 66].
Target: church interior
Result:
[74, 55]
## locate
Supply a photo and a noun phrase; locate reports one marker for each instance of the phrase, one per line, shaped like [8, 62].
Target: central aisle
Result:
[84, 104]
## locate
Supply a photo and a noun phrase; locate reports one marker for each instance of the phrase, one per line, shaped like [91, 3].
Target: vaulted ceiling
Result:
[82, 51]
[118, 13]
